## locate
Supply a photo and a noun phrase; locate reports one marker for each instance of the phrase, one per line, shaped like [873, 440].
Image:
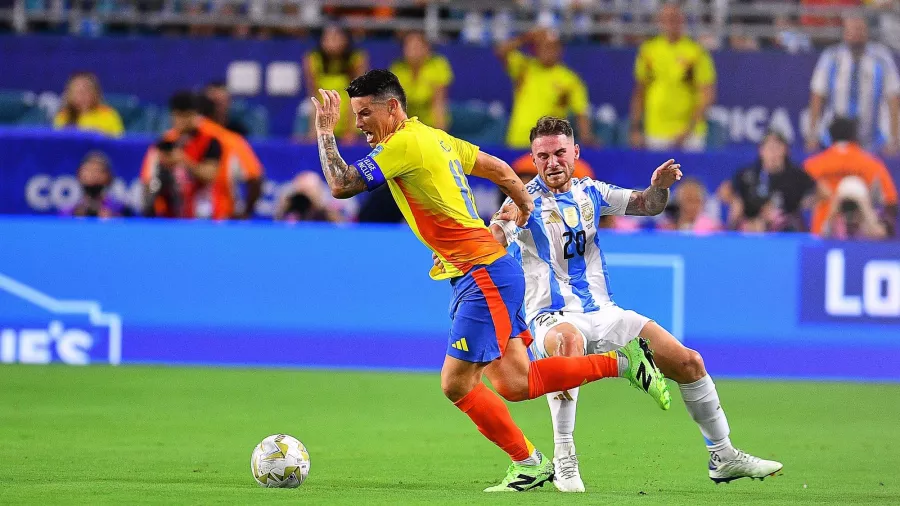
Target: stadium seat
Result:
[716, 135]
[255, 117]
[474, 122]
[136, 117]
[14, 105]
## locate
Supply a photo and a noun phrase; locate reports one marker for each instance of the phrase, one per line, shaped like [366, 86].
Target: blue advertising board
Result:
[267, 294]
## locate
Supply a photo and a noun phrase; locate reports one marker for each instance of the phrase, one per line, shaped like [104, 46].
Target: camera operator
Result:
[852, 214]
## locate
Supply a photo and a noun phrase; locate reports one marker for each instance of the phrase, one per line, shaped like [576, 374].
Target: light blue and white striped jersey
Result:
[559, 248]
[857, 88]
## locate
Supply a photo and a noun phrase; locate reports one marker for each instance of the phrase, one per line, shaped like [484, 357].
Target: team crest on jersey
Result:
[571, 216]
[587, 211]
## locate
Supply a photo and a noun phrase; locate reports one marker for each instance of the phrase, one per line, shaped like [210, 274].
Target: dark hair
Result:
[842, 129]
[339, 64]
[777, 134]
[100, 157]
[205, 106]
[165, 146]
[550, 125]
[380, 84]
[183, 101]
[218, 83]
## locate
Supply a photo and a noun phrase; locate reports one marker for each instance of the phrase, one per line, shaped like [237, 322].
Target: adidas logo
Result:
[460, 345]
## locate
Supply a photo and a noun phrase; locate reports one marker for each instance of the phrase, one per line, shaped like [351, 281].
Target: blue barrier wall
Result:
[313, 295]
[37, 167]
[754, 89]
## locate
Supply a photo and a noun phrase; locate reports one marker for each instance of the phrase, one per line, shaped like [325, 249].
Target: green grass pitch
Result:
[183, 436]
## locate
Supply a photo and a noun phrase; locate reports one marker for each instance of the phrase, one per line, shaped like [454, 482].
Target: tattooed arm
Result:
[649, 202]
[343, 179]
[653, 200]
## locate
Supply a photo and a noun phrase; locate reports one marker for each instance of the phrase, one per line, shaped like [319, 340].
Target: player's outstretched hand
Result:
[328, 111]
[666, 174]
[509, 212]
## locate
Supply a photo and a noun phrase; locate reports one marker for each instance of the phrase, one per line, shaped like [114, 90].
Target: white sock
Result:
[702, 402]
[562, 412]
[533, 460]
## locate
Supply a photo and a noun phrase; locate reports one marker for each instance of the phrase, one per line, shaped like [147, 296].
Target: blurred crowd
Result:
[203, 167]
[619, 22]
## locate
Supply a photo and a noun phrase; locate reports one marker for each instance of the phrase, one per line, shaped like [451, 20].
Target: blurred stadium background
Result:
[777, 260]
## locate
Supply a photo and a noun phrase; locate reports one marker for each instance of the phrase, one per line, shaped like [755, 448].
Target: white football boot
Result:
[565, 462]
[743, 465]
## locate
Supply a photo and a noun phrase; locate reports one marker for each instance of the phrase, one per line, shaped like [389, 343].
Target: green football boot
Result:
[643, 373]
[520, 478]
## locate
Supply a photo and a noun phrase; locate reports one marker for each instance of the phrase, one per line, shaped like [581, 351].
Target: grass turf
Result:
[173, 435]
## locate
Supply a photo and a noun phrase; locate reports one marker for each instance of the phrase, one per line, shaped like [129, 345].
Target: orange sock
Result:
[492, 417]
[555, 374]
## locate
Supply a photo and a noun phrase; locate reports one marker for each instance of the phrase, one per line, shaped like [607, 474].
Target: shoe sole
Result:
[761, 478]
[534, 485]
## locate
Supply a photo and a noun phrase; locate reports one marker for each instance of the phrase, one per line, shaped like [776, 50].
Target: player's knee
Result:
[454, 389]
[512, 390]
[570, 345]
[692, 367]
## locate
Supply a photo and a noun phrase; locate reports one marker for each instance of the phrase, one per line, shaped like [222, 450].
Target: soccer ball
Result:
[280, 461]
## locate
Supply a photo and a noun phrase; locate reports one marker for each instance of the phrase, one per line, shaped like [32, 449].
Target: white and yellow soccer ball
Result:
[280, 461]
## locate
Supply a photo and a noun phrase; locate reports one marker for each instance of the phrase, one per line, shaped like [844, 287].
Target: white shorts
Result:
[604, 330]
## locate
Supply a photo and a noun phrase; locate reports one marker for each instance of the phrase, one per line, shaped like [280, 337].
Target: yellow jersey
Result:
[333, 77]
[673, 74]
[103, 119]
[435, 73]
[425, 169]
[541, 91]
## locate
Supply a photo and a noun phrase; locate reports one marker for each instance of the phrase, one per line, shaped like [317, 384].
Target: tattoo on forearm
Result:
[339, 175]
[649, 202]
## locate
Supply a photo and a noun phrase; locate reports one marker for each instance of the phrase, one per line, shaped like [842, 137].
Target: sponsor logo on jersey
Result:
[554, 218]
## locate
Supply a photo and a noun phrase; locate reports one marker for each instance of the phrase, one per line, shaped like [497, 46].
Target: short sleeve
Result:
[579, 97]
[516, 62]
[886, 184]
[611, 199]
[467, 152]
[819, 82]
[390, 159]
[705, 71]
[642, 65]
[443, 72]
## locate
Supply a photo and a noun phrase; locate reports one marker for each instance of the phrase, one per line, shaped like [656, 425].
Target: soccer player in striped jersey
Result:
[569, 303]
[426, 171]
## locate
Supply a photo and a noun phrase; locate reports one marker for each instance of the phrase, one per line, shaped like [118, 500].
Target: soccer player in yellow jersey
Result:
[426, 171]
[674, 86]
[542, 86]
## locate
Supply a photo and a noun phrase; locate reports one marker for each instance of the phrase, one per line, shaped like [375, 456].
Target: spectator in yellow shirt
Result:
[332, 66]
[425, 78]
[674, 85]
[542, 86]
[83, 107]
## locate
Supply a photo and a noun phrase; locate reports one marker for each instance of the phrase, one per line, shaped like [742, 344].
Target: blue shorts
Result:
[487, 311]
